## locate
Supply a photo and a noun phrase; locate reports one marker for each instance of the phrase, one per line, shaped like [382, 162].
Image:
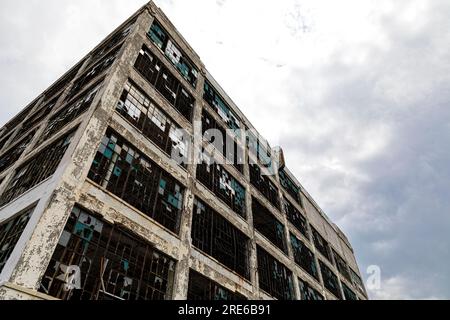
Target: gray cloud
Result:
[360, 105]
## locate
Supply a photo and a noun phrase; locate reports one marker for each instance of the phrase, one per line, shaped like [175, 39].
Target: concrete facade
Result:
[54, 198]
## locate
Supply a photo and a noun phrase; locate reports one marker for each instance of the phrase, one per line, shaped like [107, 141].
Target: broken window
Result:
[357, 282]
[264, 185]
[37, 169]
[10, 232]
[153, 122]
[296, 218]
[112, 42]
[95, 260]
[152, 69]
[5, 138]
[341, 266]
[227, 146]
[71, 112]
[121, 169]
[202, 288]
[290, 186]
[307, 292]
[93, 72]
[63, 83]
[222, 184]
[274, 277]
[266, 223]
[14, 153]
[304, 257]
[330, 280]
[259, 148]
[37, 117]
[178, 58]
[321, 244]
[348, 293]
[215, 236]
[220, 106]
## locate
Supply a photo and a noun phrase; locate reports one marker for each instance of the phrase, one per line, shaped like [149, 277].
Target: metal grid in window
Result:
[121, 169]
[290, 186]
[348, 293]
[342, 266]
[330, 280]
[153, 70]
[63, 82]
[10, 233]
[269, 226]
[203, 289]
[37, 169]
[217, 237]
[304, 257]
[307, 292]
[357, 282]
[222, 184]
[321, 244]
[296, 218]
[95, 260]
[148, 118]
[264, 185]
[71, 112]
[274, 277]
[37, 117]
[14, 153]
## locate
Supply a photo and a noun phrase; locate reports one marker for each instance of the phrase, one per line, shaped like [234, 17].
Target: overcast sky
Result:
[356, 92]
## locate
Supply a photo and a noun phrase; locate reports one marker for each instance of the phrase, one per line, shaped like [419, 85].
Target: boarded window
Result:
[266, 223]
[296, 218]
[304, 257]
[307, 292]
[177, 57]
[121, 169]
[264, 185]
[321, 245]
[10, 232]
[36, 170]
[330, 280]
[219, 105]
[202, 288]
[214, 235]
[274, 277]
[70, 112]
[14, 153]
[290, 186]
[153, 122]
[152, 69]
[95, 260]
[222, 184]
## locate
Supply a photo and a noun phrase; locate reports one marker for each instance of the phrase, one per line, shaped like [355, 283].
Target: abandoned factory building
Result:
[94, 206]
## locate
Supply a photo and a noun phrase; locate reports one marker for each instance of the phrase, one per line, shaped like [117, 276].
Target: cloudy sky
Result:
[356, 92]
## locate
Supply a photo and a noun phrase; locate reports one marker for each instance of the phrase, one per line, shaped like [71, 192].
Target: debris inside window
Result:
[37, 169]
[296, 218]
[152, 69]
[290, 186]
[202, 288]
[222, 184]
[215, 236]
[265, 222]
[10, 232]
[179, 59]
[98, 261]
[304, 257]
[154, 123]
[221, 107]
[71, 112]
[14, 153]
[121, 169]
[274, 277]
[330, 280]
[321, 244]
[264, 185]
[348, 293]
[307, 292]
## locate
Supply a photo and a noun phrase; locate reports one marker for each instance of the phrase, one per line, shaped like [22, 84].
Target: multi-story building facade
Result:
[94, 205]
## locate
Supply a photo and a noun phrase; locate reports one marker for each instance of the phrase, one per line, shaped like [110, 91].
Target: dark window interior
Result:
[264, 185]
[202, 288]
[330, 280]
[296, 218]
[307, 292]
[304, 257]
